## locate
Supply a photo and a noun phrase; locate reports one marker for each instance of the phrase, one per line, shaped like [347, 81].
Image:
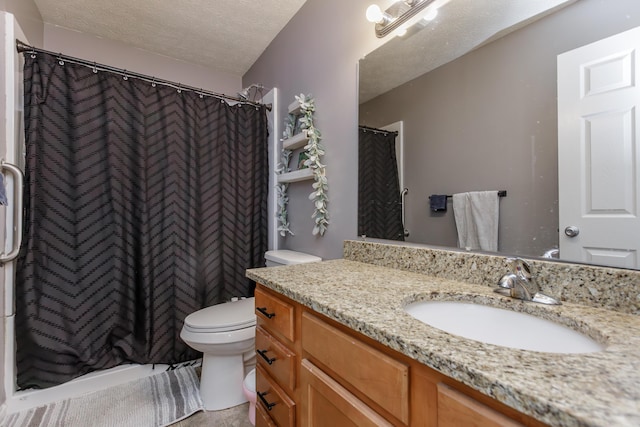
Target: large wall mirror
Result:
[475, 96]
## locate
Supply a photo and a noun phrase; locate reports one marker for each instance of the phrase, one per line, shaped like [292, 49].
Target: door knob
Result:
[572, 231]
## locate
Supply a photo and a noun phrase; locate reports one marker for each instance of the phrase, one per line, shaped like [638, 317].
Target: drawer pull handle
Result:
[268, 405]
[264, 311]
[263, 353]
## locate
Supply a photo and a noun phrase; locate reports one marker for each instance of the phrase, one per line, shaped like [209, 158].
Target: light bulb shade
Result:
[403, 12]
[375, 14]
[431, 14]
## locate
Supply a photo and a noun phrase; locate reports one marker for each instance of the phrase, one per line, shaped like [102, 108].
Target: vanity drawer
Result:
[379, 377]
[262, 418]
[275, 315]
[458, 409]
[273, 400]
[325, 402]
[276, 359]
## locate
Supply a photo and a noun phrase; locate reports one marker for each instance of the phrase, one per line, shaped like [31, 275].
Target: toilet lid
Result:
[228, 316]
[287, 257]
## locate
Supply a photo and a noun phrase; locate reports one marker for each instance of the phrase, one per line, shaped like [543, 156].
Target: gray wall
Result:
[317, 52]
[28, 17]
[488, 120]
[121, 55]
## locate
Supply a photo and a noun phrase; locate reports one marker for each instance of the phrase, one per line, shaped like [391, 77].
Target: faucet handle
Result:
[520, 268]
[512, 262]
[520, 283]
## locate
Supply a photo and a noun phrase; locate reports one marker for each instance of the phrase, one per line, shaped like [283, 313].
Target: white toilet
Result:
[286, 257]
[225, 334]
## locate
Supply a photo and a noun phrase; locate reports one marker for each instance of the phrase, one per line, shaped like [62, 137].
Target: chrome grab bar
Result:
[402, 196]
[18, 179]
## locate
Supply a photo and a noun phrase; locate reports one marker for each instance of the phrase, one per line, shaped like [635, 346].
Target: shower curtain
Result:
[143, 204]
[379, 202]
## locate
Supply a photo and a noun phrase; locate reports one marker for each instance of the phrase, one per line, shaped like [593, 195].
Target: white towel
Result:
[477, 215]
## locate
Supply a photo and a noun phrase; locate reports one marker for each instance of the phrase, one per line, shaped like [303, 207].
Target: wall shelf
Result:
[295, 176]
[296, 141]
[294, 108]
[306, 141]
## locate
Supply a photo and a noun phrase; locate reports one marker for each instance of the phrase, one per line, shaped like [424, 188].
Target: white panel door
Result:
[599, 153]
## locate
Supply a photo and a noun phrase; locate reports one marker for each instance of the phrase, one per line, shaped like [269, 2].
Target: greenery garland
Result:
[283, 199]
[314, 151]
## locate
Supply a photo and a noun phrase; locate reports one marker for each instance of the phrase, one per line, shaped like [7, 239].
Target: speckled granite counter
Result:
[595, 389]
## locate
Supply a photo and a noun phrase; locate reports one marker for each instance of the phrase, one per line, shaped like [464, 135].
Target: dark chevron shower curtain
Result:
[379, 203]
[143, 204]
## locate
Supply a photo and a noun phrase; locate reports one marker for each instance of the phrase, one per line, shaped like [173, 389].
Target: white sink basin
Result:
[501, 327]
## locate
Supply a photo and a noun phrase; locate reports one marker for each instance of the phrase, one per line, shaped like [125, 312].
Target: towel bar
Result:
[501, 193]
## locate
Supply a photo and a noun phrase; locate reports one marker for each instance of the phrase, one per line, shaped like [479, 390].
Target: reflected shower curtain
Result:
[379, 203]
[142, 205]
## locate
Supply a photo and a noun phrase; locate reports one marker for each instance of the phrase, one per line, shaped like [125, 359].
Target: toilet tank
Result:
[287, 257]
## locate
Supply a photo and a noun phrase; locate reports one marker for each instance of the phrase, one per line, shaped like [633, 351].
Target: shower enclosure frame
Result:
[11, 87]
[13, 153]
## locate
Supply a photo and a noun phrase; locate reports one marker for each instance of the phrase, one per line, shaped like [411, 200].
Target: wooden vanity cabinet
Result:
[277, 359]
[337, 377]
[458, 409]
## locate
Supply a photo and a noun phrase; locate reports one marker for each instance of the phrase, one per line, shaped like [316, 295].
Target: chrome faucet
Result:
[521, 284]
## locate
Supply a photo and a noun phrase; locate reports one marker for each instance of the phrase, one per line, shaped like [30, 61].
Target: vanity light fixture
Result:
[377, 16]
[399, 13]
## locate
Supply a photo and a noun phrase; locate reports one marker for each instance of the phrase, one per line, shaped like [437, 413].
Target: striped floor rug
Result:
[154, 401]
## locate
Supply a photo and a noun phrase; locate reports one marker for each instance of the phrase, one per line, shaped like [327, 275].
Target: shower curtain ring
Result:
[124, 75]
[95, 68]
[153, 82]
[60, 61]
[179, 87]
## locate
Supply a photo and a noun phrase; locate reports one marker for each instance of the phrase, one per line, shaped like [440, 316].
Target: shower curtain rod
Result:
[374, 130]
[22, 47]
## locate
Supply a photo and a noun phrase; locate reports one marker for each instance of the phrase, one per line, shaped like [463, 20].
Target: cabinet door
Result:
[327, 403]
[379, 377]
[457, 409]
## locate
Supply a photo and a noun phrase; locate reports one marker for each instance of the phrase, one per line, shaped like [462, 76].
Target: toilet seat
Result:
[225, 317]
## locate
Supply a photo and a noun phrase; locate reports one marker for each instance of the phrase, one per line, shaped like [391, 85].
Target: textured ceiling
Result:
[461, 26]
[225, 35]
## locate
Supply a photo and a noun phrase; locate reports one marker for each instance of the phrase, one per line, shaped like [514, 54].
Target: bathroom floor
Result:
[237, 416]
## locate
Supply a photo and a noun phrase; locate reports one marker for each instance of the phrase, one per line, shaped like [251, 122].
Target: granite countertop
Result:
[592, 389]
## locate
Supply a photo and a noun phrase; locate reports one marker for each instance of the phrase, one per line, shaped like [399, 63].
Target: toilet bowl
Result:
[225, 334]
[249, 389]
